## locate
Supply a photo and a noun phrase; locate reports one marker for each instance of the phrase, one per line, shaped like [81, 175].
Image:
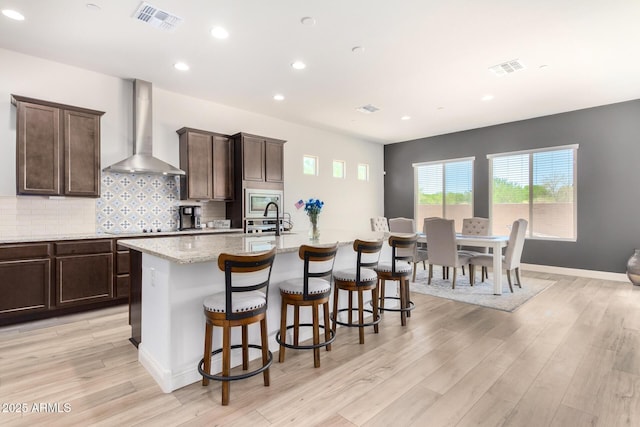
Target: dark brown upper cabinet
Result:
[262, 158]
[208, 160]
[58, 149]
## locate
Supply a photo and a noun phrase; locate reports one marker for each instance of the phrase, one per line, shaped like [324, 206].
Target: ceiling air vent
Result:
[156, 17]
[507, 67]
[367, 109]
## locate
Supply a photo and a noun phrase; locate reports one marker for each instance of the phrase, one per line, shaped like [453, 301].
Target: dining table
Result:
[496, 243]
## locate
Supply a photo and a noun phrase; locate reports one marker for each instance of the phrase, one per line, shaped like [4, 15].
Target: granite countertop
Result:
[88, 236]
[205, 248]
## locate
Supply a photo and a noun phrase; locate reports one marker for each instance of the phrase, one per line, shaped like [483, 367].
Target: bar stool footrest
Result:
[306, 347]
[411, 305]
[235, 377]
[355, 325]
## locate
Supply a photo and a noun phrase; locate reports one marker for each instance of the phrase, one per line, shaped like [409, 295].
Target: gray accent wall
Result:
[608, 178]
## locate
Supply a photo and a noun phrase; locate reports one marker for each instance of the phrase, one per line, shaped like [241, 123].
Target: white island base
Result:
[172, 317]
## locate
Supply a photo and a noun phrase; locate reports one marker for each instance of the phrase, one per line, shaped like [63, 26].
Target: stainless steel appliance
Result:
[256, 200]
[190, 217]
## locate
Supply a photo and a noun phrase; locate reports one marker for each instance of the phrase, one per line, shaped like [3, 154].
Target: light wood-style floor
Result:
[569, 357]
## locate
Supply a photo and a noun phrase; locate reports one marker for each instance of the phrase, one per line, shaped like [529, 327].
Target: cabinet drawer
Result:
[15, 252]
[122, 286]
[122, 263]
[83, 248]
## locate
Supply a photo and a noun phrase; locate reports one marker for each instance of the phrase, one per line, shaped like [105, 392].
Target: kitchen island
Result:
[173, 275]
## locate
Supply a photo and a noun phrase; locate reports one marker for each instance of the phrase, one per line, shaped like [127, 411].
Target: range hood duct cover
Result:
[142, 160]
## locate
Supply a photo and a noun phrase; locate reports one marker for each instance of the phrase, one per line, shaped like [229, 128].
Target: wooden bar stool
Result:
[240, 304]
[359, 279]
[399, 269]
[313, 290]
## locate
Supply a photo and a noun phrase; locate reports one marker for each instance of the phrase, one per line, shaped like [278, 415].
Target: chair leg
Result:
[327, 326]
[407, 298]
[463, 270]
[382, 293]
[472, 274]
[226, 362]
[245, 347]
[350, 312]
[508, 280]
[296, 325]
[484, 274]
[361, 315]
[207, 351]
[283, 330]
[518, 277]
[316, 335]
[453, 282]
[430, 274]
[374, 307]
[403, 303]
[336, 292]
[265, 349]
[415, 267]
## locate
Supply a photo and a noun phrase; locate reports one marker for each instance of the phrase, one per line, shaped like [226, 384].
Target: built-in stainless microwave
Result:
[256, 201]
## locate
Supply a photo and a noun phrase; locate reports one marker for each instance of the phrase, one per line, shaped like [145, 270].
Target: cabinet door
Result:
[39, 150]
[274, 161]
[84, 279]
[199, 166]
[252, 158]
[223, 169]
[82, 154]
[24, 286]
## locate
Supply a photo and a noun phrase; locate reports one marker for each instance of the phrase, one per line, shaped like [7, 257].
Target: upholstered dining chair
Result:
[475, 226]
[408, 225]
[511, 257]
[442, 249]
[379, 223]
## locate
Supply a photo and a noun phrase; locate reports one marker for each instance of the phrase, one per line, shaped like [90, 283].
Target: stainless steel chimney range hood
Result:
[142, 160]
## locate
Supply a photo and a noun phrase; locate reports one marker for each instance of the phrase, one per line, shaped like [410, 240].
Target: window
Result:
[537, 185]
[338, 168]
[363, 172]
[310, 165]
[444, 189]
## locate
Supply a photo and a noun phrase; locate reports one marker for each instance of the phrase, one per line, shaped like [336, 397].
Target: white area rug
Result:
[480, 293]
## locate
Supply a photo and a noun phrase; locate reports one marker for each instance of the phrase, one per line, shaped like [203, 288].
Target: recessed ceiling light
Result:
[440, 108]
[357, 49]
[93, 7]
[543, 66]
[181, 66]
[299, 65]
[278, 97]
[219, 33]
[13, 14]
[487, 97]
[405, 118]
[307, 20]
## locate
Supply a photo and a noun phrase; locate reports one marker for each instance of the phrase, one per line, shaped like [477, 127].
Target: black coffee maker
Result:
[190, 216]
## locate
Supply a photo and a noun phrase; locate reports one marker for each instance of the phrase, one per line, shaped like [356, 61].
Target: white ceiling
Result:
[427, 59]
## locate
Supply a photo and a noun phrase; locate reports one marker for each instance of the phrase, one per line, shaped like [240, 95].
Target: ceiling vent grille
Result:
[507, 67]
[156, 17]
[367, 109]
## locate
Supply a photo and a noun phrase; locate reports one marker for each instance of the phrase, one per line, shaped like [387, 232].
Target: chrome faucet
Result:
[266, 210]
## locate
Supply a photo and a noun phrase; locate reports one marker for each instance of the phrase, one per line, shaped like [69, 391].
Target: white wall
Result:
[349, 202]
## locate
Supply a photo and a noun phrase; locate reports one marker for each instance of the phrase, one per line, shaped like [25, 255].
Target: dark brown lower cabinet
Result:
[25, 278]
[84, 278]
[46, 279]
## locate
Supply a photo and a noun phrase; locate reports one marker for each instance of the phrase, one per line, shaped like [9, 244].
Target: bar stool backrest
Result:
[368, 254]
[402, 249]
[245, 273]
[318, 262]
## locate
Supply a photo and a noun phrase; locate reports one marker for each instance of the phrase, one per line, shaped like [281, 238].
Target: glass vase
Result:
[314, 230]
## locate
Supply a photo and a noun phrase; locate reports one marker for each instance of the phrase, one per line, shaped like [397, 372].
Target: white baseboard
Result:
[593, 274]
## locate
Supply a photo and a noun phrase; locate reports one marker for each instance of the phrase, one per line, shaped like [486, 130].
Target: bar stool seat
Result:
[398, 269]
[312, 290]
[359, 279]
[243, 302]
